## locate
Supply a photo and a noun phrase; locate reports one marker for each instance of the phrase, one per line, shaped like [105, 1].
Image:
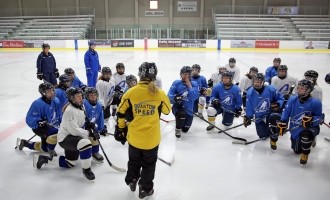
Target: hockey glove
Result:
[281, 127]
[202, 91]
[89, 125]
[306, 121]
[57, 74]
[93, 133]
[210, 83]
[247, 121]
[117, 88]
[40, 75]
[238, 112]
[120, 134]
[215, 103]
[178, 100]
[42, 123]
[286, 96]
[104, 132]
[116, 98]
[83, 88]
[275, 107]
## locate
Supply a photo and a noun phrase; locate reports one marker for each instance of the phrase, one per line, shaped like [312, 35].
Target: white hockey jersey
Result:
[73, 120]
[216, 78]
[283, 85]
[106, 91]
[317, 93]
[120, 80]
[236, 72]
[245, 84]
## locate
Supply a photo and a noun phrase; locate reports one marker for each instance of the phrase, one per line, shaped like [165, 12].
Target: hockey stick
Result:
[167, 163]
[257, 140]
[236, 138]
[326, 124]
[327, 139]
[28, 141]
[111, 165]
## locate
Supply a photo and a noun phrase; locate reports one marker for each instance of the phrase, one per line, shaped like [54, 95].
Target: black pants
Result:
[145, 159]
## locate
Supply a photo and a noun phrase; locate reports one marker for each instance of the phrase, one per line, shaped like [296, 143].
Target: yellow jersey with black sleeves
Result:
[144, 129]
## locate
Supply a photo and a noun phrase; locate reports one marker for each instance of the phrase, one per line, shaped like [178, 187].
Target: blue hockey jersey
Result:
[189, 94]
[295, 110]
[60, 94]
[95, 114]
[77, 83]
[270, 73]
[40, 110]
[230, 99]
[258, 105]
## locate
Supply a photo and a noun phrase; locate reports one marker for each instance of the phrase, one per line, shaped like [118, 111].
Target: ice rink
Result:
[207, 165]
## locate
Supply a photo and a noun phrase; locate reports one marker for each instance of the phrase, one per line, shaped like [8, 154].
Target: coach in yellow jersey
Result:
[145, 102]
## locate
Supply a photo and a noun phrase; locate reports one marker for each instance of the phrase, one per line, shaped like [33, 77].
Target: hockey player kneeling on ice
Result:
[94, 113]
[261, 101]
[105, 87]
[272, 71]
[182, 95]
[305, 115]
[203, 99]
[146, 102]
[231, 67]
[44, 117]
[74, 79]
[120, 86]
[312, 76]
[246, 83]
[284, 83]
[64, 84]
[226, 100]
[73, 136]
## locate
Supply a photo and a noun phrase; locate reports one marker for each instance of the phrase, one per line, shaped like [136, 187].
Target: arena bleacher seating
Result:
[45, 27]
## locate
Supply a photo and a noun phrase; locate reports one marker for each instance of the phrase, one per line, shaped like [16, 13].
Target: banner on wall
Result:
[169, 43]
[12, 44]
[193, 43]
[316, 45]
[283, 10]
[122, 43]
[242, 44]
[273, 44]
[187, 6]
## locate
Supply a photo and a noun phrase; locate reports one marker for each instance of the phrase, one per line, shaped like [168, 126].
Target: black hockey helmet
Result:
[232, 60]
[118, 65]
[196, 66]
[228, 74]
[327, 78]
[106, 70]
[64, 78]
[90, 90]
[45, 45]
[308, 86]
[43, 87]
[311, 73]
[130, 79]
[185, 69]
[261, 77]
[71, 92]
[148, 70]
[277, 60]
[69, 71]
[282, 67]
[254, 69]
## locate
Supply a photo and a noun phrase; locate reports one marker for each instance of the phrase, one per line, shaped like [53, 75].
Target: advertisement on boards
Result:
[271, 44]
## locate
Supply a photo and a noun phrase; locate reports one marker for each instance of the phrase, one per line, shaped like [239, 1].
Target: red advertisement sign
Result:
[12, 44]
[267, 44]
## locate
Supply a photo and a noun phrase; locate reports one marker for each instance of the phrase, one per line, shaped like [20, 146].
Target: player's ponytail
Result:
[152, 88]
